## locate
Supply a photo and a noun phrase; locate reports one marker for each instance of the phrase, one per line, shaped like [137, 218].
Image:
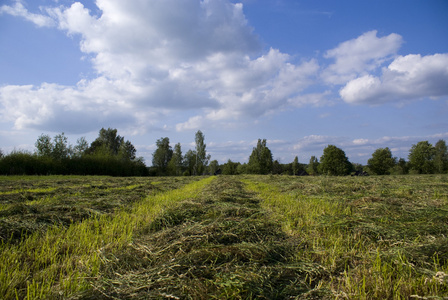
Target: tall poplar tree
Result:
[295, 166]
[202, 158]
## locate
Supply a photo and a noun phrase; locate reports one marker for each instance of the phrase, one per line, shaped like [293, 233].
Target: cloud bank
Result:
[154, 58]
[406, 78]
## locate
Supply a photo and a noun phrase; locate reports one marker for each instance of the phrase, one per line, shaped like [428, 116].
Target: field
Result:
[224, 237]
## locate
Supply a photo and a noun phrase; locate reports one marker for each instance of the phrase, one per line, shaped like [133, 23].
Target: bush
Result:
[24, 163]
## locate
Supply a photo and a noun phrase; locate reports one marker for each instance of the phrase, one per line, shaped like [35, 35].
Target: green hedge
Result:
[23, 163]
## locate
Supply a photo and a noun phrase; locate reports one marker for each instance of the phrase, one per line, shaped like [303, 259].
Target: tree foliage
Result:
[381, 162]
[260, 161]
[295, 166]
[441, 157]
[109, 154]
[107, 143]
[213, 167]
[202, 158]
[81, 147]
[190, 162]
[334, 162]
[421, 158]
[61, 148]
[313, 166]
[162, 156]
[230, 168]
[175, 164]
[44, 145]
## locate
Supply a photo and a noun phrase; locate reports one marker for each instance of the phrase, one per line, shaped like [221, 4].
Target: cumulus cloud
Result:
[407, 77]
[52, 105]
[254, 88]
[165, 55]
[18, 10]
[360, 55]
[155, 58]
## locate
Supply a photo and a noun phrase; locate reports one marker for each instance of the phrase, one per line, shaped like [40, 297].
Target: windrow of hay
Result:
[35, 203]
[378, 237]
[229, 237]
[60, 261]
[221, 245]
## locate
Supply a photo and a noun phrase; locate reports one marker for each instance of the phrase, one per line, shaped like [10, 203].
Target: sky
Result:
[302, 74]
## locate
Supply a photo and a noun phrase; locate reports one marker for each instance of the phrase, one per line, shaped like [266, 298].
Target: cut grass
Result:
[221, 245]
[379, 237]
[58, 262]
[35, 203]
[229, 237]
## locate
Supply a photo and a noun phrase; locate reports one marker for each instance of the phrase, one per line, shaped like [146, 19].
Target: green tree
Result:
[441, 157]
[189, 162]
[127, 151]
[230, 168]
[201, 154]
[357, 167]
[295, 166]
[421, 158]
[381, 162]
[313, 166]
[162, 156]
[175, 164]
[400, 168]
[44, 145]
[334, 162]
[107, 142]
[61, 148]
[277, 167]
[213, 167]
[81, 147]
[260, 161]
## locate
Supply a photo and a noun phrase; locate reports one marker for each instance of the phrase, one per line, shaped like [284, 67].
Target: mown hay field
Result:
[224, 237]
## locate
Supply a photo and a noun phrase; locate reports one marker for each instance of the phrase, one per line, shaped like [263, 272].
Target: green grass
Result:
[378, 237]
[219, 245]
[59, 260]
[225, 237]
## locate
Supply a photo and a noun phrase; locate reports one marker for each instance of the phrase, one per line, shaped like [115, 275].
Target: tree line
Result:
[111, 154]
[108, 154]
[423, 159]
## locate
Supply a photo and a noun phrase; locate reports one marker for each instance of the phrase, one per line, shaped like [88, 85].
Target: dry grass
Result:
[222, 245]
[57, 260]
[228, 237]
[34, 203]
[379, 237]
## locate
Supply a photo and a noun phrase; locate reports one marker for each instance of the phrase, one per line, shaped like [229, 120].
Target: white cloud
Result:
[360, 55]
[316, 142]
[407, 77]
[143, 37]
[51, 106]
[18, 10]
[360, 141]
[166, 55]
[156, 58]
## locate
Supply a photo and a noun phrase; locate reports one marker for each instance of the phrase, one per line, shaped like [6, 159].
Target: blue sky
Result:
[360, 75]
